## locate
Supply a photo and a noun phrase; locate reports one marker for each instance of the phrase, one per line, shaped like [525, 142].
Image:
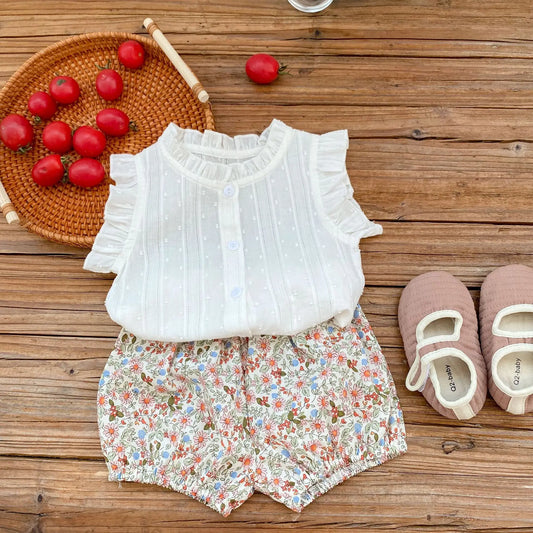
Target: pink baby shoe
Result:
[438, 324]
[506, 325]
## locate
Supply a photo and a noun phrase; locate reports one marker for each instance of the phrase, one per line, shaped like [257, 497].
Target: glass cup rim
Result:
[310, 9]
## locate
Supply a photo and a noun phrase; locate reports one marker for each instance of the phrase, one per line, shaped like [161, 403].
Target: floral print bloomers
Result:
[289, 416]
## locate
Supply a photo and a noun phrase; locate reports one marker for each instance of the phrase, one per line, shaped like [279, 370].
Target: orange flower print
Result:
[135, 366]
[278, 404]
[316, 335]
[110, 431]
[323, 402]
[218, 419]
[263, 344]
[146, 400]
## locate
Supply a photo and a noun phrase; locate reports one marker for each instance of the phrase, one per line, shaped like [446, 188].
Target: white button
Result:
[236, 292]
[229, 190]
[233, 245]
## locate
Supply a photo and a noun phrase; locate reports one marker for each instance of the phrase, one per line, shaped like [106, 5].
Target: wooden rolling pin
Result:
[7, 207]
[183, 68]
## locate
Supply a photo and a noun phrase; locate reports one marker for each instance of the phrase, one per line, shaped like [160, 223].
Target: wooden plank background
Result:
[437, 96]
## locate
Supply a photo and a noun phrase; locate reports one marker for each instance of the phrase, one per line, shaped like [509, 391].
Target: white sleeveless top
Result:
[215, 236]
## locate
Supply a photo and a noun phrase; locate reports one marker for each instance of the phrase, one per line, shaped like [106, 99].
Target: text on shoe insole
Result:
[451, 381]
[516, 378]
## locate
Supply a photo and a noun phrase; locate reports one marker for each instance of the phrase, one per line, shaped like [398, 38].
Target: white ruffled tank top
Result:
[213, 236]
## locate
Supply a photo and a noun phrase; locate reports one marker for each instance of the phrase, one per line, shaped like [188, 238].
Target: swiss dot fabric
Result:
[216, 236]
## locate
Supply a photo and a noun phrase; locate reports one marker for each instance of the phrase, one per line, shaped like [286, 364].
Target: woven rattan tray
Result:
[153, 96]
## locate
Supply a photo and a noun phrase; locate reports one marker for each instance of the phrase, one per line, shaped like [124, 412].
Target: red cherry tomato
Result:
[42, 105]
[131, 54]
[113, 122]
[86, 172]
[57, 137]
[16, 132]
[263, 68]
[48, 171]
[88, 142]
[64, 89]
[109, 84]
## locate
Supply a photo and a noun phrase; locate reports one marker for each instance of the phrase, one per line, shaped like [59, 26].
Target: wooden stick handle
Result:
[183, 68]
[8, 209]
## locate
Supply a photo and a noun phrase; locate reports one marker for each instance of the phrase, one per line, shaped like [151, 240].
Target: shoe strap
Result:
[426, 353]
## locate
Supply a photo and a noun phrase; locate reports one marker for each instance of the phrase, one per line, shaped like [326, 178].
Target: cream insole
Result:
[452, 373]
[441, 326]
[516, 370]
[454, 377]
[517, 322]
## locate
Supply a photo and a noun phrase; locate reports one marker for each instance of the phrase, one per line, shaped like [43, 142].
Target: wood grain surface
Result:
[437, 97]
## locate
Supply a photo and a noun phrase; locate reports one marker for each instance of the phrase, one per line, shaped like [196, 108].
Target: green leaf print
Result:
[124, 337]
[111, 403]
[244, 422]
[134, 339]
[334, 419]
[146, 379]
[332, 403]
[119, 414]
[341, 414]
[290, 416]
[111, 418]
[207, 426]
[170, 401]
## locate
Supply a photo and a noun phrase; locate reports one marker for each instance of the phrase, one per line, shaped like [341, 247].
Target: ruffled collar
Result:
[214, 158]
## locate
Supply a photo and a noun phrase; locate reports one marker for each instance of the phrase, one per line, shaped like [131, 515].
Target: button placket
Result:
[232, 256]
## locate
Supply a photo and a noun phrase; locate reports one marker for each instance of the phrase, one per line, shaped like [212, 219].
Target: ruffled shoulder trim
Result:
[109, 245]
[343, 213]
